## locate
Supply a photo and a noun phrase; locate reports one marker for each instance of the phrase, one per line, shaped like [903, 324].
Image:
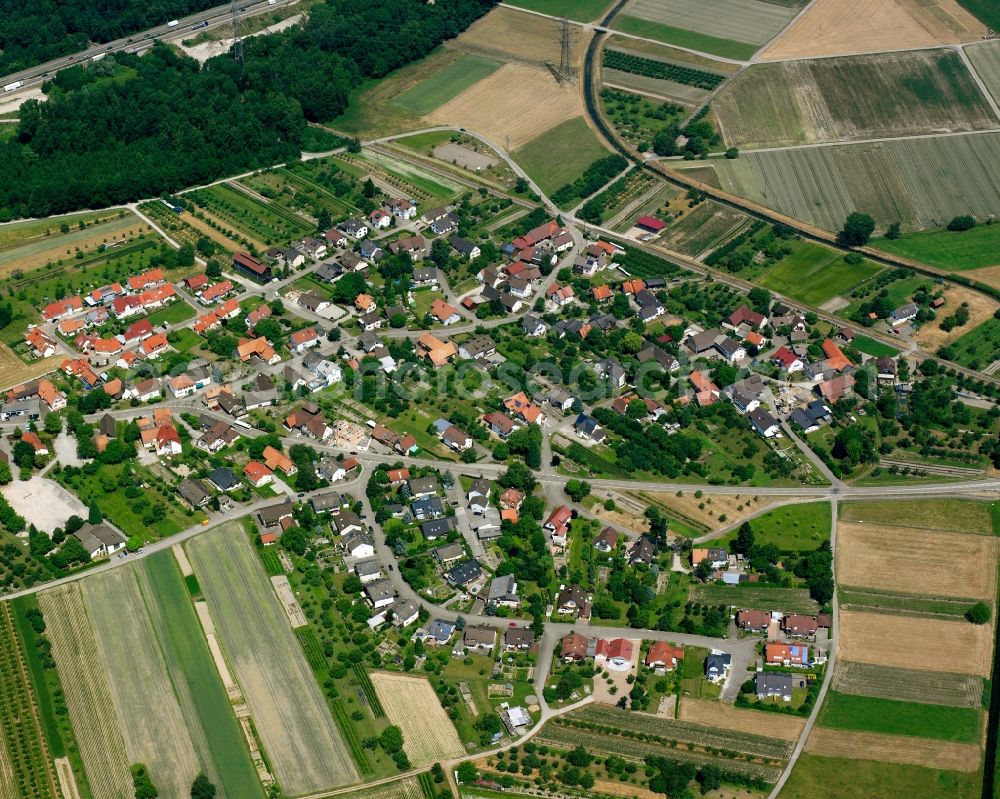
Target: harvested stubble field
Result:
[930, 336]
[917, 182]
[88, 695]
[706, 737]
[907, 685]
[413, 706]
[842, 27]
[911, 643]
[14, 371]
[149, 714]
[969, 516]
[507, 34]
[902, 749]
[495, 106]
[863, 550]
[806, 102]
[289, 712]
[749, 21]
[713, 713]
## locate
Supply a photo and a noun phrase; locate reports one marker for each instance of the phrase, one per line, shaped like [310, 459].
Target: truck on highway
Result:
[173, 23]
[97, 57]
[13, 86]
[202, 24]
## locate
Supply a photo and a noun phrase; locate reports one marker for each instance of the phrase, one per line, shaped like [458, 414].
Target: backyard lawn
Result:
[560, 155]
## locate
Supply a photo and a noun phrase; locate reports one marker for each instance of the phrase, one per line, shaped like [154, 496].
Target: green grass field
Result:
[794, 528]
[580, 10]
[755, 597]
[868, 714]
[946, 249]
[421, 142]
[987, 11]
[184, 339]
[440, 87]
[816, 777]
[177, 311]
[815, 274]
[728, 48]
[560, 155]
[186, 652]
[870, 346]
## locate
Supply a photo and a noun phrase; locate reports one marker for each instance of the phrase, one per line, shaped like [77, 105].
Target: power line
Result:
[237, 34]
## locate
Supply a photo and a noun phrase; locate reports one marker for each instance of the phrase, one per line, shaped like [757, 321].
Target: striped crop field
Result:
[919, 183]
[289, 712]
[852, 98]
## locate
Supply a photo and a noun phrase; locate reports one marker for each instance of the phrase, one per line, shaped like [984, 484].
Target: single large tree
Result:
[858, 229]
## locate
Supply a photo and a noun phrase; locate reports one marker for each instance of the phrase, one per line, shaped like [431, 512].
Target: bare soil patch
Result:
[410, 703]
[934, 563]
[930, 336]
[714, 713]
[841, 27]
[706, 510]
[211, 232]
[498, 106]
[43, 503]
[910, 643]
[903, 749]
[989, 275]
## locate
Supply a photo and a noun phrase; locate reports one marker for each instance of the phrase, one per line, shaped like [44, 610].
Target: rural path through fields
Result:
[830, 664]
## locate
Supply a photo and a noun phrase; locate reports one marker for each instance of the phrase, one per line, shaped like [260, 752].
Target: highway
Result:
[142, 40]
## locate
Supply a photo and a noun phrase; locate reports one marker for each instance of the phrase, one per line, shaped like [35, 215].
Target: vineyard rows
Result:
[310, 646]
[87, 693]
[366, 685]
[565, 737]
[641, 264]
[631, 724]
[350, 734]
[33, 776]
[662, 70]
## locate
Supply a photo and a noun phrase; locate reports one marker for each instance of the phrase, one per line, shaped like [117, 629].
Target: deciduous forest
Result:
[163, 121]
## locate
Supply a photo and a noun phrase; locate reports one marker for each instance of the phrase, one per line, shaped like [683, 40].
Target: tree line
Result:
[170, 122]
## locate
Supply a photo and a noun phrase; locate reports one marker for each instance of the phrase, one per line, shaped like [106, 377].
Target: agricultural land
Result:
[290, 714]
[842, 27]
[809, 102]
